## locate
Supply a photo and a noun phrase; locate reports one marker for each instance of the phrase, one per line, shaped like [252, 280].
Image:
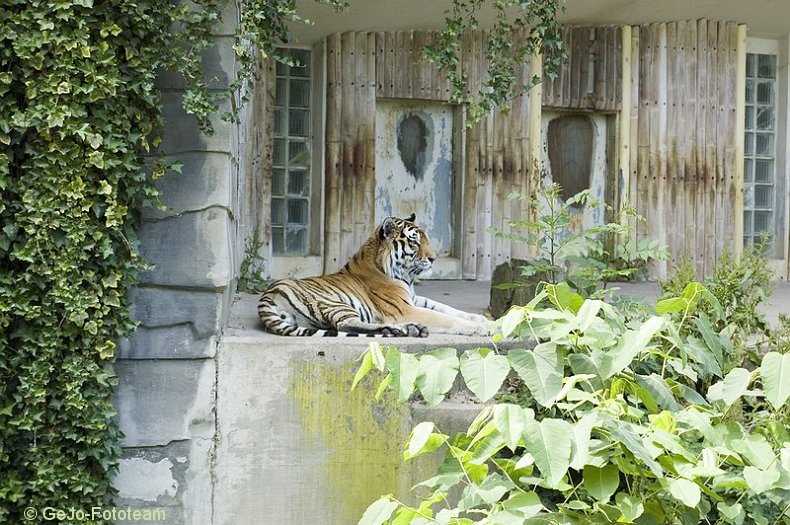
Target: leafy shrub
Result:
[614, 429]
[251, 271]
[739, 287]
[583, 258]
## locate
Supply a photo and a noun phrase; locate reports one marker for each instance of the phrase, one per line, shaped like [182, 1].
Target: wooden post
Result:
[535, 136]
[740, 110]
[624, 140]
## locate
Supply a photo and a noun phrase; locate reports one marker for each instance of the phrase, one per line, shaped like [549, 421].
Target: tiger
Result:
[371, 296]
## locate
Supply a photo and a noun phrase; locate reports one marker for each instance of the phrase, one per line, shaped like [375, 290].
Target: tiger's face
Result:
[410, 253]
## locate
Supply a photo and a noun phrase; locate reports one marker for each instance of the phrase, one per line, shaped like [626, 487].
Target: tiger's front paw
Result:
[405, 330]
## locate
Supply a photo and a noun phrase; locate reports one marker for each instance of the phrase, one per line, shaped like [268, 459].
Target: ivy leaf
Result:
[437, 371]
[549, 442]
[685, 491]
[378, 512]
[775, 373]
[601, 482]
[484, 371]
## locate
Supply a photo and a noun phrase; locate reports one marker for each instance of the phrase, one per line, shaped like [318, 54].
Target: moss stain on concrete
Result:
[363, 439]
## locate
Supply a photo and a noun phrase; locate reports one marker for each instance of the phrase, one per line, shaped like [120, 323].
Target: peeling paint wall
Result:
[414, 158]
[598, 173]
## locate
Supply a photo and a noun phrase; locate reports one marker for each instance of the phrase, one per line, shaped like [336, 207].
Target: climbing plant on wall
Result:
[79, 116]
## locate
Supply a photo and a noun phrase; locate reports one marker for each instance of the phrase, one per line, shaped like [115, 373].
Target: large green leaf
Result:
[549, 442]
[734, 385]
[510, 420]
[630, 440]
[404, 368]
[580, 453]
[659, 389]
[775, 373]
[436, 374]
[761, 480]
[539, 371]
[756, 449]
[685, 491]
[423, 440]
[699, 352]
[484, 371]
[527, 504]
[631, 344]
[378, 512]
[601, 482]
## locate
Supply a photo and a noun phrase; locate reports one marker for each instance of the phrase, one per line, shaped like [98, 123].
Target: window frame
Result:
[779, 222]
[310, 262]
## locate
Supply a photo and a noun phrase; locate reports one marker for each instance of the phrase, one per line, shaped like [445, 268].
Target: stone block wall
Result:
[167, 371]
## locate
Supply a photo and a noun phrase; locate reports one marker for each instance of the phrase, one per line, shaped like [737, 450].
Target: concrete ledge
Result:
[295, 445]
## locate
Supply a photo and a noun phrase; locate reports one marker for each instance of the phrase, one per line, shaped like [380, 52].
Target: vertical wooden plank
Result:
[392, 61]
[471, 176]
[721, 236]
[689, 141]
[729, 103]
[603, 65]
[567, 67]
[360, 226]
[645, 114]
[701, 173]
[740, 108]
[535, 139]
[334, 168]
[624, 145]
[416, 65]
[711, 118]
[676, 118]
[400, 60]
[518, 249]
[615, 101]
[381, 59]
[578, 57]
[634, 172]
[426, 76]
[349, 135]
[370, 138]
[658, 130]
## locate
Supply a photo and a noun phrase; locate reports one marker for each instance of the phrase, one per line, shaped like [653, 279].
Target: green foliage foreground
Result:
[620, 422]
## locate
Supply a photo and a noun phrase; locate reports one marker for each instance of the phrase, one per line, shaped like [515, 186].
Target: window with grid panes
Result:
[292, 156]
[759, 204]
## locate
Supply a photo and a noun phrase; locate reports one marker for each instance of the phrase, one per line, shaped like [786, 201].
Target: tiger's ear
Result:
[387, 229]
[411, 217]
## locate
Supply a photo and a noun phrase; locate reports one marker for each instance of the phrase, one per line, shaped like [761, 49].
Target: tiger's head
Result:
[404, 251]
